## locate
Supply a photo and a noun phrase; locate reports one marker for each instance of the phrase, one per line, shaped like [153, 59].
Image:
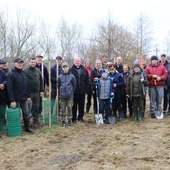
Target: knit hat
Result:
[136, 61]
[136, 65]
[154, 57]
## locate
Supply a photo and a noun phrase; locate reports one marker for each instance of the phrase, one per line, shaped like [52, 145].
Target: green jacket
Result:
[35, 79]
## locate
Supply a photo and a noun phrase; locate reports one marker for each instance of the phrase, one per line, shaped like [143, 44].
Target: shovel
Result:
[111, 119]
[98, 117]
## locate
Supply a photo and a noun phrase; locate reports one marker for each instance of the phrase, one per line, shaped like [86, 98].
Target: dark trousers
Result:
[138, 106]
[2, 112]
[104, 104]
[40, 105]
[23, 104]
[89, 96]
[79, 100]
[35, 106]
[126, 101]
[165, 101]
[117, 105]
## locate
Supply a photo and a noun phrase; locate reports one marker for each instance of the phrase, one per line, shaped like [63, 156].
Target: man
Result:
[3, 94]
[163, 61]
[45, 75]
[104, 61]
[81, 76]
[36, 88]
[18, 90]
[156, 74]
[119, 65]
[54, 78]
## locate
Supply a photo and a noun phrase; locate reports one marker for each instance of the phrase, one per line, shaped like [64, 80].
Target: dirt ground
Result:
[87, 146]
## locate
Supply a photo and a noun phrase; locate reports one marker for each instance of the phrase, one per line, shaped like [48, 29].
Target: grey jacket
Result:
[66, 85]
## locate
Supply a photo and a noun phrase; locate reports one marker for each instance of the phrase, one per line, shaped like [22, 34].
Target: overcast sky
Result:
[88, 12]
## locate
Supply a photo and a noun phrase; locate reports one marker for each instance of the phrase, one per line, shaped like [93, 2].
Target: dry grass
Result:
[126, 145]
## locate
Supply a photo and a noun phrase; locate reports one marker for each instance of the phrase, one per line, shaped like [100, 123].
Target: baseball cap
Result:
[18, 60]
[65, 64]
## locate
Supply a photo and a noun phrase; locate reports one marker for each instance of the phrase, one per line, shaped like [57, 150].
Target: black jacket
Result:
[46, 74]
[17, 85]
[81, 76]
[3, 81]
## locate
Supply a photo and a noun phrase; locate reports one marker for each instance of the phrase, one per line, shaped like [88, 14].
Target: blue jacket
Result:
[118, 80]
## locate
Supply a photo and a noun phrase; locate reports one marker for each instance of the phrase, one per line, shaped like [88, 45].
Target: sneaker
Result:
[69, 123]
[63, 124]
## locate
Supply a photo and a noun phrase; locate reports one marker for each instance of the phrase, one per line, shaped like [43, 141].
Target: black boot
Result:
[87, 108]
[26, 125]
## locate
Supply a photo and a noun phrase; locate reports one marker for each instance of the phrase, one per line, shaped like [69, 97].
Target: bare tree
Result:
[113, 39]
[142, 30]
[68, 37]
[47, 43]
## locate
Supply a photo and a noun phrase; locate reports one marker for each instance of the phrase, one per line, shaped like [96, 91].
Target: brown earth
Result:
[87, 146]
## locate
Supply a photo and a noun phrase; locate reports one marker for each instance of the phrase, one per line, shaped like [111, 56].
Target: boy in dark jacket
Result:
[67, 87]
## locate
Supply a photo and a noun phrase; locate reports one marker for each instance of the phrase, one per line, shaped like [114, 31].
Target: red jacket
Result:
[158, 70]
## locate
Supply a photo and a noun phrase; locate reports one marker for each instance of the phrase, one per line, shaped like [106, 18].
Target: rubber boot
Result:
[141, 116]
[135, 116]
[27, 127]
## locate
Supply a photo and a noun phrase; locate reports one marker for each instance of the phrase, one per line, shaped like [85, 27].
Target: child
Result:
[105, 90]
[66, 86]
[135, 90]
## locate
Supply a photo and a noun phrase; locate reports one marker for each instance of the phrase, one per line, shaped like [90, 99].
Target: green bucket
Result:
[13, 122]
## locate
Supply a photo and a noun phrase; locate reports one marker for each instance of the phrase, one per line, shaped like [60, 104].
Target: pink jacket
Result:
[158, 70]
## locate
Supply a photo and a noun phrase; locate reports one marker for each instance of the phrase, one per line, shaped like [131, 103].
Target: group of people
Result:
[114, 87]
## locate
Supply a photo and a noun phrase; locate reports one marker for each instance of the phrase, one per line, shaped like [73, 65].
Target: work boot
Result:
[27, 127]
